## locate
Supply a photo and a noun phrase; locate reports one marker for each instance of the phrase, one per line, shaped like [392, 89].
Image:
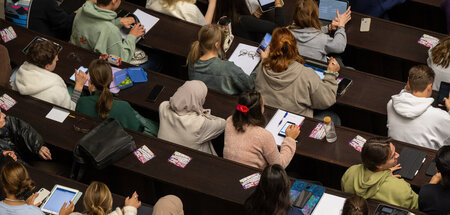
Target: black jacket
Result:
[47, 17]
[20, 137]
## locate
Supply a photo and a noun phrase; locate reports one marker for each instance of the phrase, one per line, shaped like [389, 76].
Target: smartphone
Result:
[283, 129]
[431, 170]
[302, 199]
[343, 85]
[42, 195]
[444, 89]
[264, 43]
[365, 24]
[155, 93]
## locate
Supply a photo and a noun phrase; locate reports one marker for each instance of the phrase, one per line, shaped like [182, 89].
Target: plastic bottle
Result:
[330, 130]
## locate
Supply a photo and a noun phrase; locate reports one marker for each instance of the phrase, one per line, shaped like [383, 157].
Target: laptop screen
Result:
[327, 9]
[58, 198]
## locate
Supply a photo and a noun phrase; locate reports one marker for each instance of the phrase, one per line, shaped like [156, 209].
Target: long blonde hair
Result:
[208, 36]
[440, 54]
[97, 199]
[171, 3]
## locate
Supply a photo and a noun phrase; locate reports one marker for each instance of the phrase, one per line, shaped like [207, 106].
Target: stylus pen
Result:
[281, 121]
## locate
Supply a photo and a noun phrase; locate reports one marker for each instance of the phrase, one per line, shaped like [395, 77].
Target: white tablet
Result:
[58, 196]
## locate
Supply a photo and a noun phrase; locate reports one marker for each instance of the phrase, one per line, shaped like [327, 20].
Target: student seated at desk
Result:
[313, 40]
[410, 116]
[439, 61]
[96, 28]
[5, 68]
[377, 8]
[246, 140]
[101, 102]
[250, 26]
[36, 78]
[20, 141]
[17, 184]
[373, 179]
[286, 83]
[184, 116]
[271, 196]
[434, 198]
[206, 63]
[355, 205]
[98, 201]
[184, 9]
[43, 16]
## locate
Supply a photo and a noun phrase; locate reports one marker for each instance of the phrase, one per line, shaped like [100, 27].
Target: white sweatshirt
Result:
[42, 84]
[413, 120]
[181, 10]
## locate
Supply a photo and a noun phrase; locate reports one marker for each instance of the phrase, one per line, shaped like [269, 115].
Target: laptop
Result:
[411, 160]
[327, 9]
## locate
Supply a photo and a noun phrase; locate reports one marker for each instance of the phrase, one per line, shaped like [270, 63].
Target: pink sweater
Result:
[256, 147]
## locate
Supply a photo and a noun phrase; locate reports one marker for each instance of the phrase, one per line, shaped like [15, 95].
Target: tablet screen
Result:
[56, 201]
[266, 4]
[327, 9]
[318, 70]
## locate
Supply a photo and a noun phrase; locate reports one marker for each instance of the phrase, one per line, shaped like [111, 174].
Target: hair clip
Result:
[242, 108]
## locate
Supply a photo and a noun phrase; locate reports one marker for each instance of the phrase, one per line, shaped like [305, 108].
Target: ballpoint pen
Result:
[281, 121]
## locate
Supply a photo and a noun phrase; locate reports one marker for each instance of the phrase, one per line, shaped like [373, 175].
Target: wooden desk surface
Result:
[434, 3]
[205, 173]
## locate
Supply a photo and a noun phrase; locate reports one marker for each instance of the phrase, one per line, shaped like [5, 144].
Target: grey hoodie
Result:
[317, 44]
[413, 120]
[298, 89]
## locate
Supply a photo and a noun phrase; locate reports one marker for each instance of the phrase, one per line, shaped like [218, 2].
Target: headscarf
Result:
[190, 97]
[168, 205]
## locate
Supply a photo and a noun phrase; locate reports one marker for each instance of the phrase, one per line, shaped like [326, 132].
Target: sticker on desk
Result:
[428, 40]
[6, 102]
[318, 132]
[57, 114]
[8, 34]
[144, 154]
[357, 143]
[250, 181]
[179, 159]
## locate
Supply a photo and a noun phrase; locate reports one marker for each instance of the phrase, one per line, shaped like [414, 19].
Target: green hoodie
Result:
[380, 186]
[99, 30]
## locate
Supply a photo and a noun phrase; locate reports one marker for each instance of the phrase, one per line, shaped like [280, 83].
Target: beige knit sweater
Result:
[256, 147]
[298, 89]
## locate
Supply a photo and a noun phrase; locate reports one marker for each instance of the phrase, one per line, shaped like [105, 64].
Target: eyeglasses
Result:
[251, 54]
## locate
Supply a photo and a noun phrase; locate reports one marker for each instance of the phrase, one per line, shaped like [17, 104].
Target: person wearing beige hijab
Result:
[168, 205]
[184, 121]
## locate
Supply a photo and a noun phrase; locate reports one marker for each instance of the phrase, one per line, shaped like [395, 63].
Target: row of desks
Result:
[339, 153]
[216, 179]
[385, 38]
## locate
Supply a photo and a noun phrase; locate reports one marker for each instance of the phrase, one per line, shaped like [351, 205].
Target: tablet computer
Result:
[327, 9]
[58, 196]
[27, 48]
[266, 5]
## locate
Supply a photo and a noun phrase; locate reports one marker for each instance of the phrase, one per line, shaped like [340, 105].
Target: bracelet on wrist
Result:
[336, 74]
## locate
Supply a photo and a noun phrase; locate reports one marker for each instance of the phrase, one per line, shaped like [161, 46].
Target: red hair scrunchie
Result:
[242, 108]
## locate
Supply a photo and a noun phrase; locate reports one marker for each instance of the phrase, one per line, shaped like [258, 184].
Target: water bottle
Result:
[330, 131]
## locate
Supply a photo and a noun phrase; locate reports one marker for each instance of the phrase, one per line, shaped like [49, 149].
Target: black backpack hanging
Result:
[102, 146]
